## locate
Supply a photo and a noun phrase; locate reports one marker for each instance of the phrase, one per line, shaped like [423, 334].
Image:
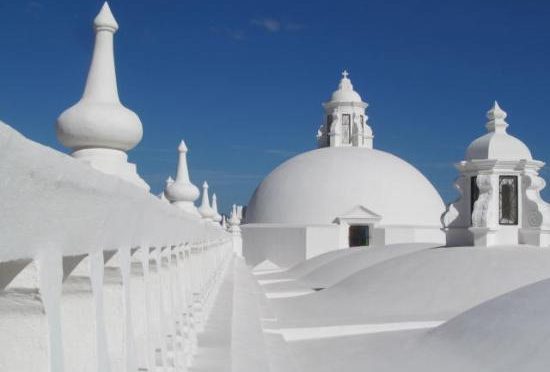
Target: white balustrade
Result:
[95, 273]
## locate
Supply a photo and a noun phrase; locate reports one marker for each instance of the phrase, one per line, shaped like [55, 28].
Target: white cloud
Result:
[235, 34]
[269, 24]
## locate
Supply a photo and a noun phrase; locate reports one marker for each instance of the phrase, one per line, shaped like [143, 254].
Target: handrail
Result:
[96, 273]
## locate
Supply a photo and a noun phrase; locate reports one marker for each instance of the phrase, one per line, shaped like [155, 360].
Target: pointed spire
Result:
[497, 119]
[105, 19]
[205, 210]
[217, 216]
[214, 202]
[98, 128]
[183, 172]
[182, 147]
[101, 84]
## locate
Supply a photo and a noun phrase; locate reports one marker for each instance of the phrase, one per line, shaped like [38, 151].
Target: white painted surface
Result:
[497, 144]
[420, 286]
[345, 121]
[181, 192]
[316, 333]
[69, 234]
[98, 128]
[288, 294]
[489, 158]
[318, 186]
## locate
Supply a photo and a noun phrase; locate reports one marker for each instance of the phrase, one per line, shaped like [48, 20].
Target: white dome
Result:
[501, 146]
[345, 96]
[345, 92]
[320, 185]
[497, 144]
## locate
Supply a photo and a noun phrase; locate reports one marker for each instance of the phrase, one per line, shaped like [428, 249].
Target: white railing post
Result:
[139, 277]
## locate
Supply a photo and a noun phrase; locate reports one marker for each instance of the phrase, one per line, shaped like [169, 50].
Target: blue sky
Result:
[242, 81]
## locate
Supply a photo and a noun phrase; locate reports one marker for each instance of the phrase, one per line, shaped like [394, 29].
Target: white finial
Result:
[169, 180]
[345, 83]
[234, 218]
[105, 19]
[234, 221]
[182, 175]
[205, 210]
[182, 192]
[497, 119]
[224, 223]
[182, 147]
[98, 128]
[217, 217]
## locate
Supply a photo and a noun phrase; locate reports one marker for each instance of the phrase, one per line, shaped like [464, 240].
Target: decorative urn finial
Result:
[205, 210]
[98, 128]
[181, 192]
[497, 119]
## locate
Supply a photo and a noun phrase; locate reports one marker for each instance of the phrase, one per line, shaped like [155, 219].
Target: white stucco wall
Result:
[283, 245]
[321, 239]
[287, 245]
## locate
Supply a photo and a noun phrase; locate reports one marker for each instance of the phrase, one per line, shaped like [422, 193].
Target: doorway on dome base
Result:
[359, 235]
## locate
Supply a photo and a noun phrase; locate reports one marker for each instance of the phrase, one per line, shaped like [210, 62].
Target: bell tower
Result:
[345, 122]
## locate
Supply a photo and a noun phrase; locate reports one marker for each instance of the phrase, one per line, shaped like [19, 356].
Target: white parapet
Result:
[97, 274]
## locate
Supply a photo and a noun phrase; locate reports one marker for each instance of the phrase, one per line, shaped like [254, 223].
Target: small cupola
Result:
[345, 121]
[497, 143]
[500, 202]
